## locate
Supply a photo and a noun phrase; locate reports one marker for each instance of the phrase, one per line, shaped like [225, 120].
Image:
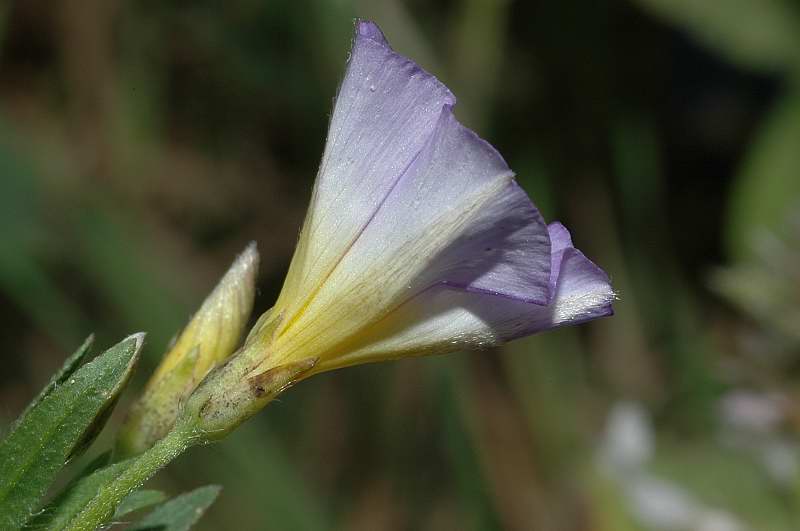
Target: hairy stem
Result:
[102, 506]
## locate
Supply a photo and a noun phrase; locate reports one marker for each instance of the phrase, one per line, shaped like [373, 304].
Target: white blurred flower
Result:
[628, 439]
[753, 412]
[661, 505]
[655, 503]
[780, 460]
[715, 520]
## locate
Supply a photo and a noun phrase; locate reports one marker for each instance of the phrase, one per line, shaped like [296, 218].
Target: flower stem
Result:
[102, 506]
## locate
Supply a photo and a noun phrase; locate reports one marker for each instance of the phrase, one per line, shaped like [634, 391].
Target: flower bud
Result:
[211, 336]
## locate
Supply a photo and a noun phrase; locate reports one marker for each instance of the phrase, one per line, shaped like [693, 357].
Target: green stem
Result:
[102, 506]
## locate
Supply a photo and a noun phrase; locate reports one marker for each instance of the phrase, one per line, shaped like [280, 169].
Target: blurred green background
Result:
[143, 144]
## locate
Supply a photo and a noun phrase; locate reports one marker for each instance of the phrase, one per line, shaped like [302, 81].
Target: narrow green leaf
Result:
[180, 513]
[42, 441]
[93, 500]
[81, 487]
[73, 499]
[70, 366]
[139, 499]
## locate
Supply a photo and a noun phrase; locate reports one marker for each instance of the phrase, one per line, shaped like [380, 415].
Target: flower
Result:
[211, 336]
[417, 241]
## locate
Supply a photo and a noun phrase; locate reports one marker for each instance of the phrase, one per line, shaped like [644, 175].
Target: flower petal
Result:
[560, 240]
[504, 251]
[386, 110]
[455, 218]
[443, 319]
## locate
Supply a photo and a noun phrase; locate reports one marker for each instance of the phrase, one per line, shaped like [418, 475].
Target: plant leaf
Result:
[139, 499]
[180, 513]
[48, 434]
[72, 499]
[70, 366]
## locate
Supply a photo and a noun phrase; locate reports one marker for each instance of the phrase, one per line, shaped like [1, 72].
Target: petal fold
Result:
[443, 319]
[504, 251]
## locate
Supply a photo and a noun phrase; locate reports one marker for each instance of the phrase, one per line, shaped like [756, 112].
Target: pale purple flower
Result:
[418, 240]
